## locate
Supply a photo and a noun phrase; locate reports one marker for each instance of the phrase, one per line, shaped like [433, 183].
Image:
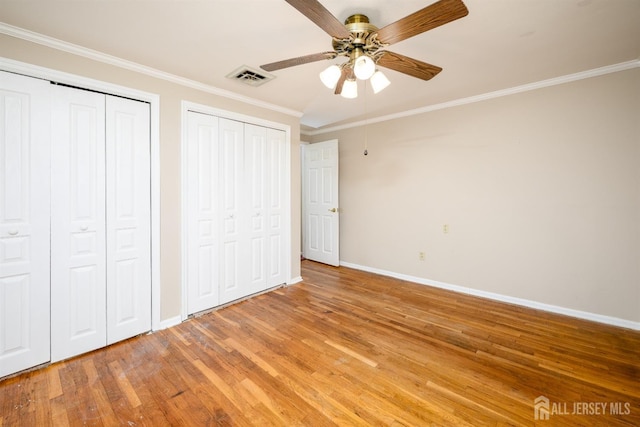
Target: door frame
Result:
[187, 106]
[81, 82]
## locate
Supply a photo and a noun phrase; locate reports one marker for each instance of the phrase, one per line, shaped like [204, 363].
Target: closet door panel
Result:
[202, 213]
[128, 231]
[277, 221]
[255, 167]
[78, 285]
[233, 253]
[248, 190]
[24, 222]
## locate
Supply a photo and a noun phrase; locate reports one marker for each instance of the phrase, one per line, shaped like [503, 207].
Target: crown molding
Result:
[51, 42]
[95, 55]
[486, 96]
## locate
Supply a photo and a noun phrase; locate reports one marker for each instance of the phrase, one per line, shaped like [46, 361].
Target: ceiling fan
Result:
[364, 45]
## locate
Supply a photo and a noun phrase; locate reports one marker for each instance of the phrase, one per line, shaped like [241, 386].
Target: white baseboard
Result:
[294, 280]
[614, 321]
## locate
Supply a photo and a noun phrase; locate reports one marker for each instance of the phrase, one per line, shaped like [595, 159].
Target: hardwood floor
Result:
[345, 347]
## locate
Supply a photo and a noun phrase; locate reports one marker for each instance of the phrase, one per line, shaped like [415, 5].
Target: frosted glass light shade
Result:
[364, 67]
[350, 89]
[330, 76]
[379, 81]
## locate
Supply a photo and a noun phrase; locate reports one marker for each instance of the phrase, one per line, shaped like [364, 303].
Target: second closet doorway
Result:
[235, 210]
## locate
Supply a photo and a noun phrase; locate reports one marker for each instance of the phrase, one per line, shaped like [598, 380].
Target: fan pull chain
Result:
[366, 124]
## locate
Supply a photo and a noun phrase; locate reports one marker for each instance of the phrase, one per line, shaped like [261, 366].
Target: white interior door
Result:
[277, 220]
[202, 218]
[233, 252]
[321, 226]
[128, 232]
[24, 222]
[255, 193]
[78, 223]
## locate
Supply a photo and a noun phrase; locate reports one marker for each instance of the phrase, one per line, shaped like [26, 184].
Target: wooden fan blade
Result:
[320, 16]
[298, 61]
[341, 80]
[410, 66]
[423, 20]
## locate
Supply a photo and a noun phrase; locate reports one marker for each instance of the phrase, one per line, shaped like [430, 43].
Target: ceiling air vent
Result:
[250, 76]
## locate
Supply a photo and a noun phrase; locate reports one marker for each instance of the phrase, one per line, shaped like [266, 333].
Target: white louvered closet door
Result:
[128, 207]
[78, 223]
[24, 222]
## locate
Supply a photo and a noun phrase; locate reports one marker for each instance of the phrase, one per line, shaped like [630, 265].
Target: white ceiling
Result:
[501, 44]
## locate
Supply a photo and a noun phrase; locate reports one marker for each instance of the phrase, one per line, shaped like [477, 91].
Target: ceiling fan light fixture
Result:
[364, 67]
[330, 76]
[379, 81]
[350, 89]
[365, 44]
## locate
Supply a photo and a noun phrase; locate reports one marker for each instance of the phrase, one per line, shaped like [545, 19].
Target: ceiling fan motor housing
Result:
[360, 28]
[359, 43]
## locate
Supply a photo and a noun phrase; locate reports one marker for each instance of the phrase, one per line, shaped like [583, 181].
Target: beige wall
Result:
[171, 96]
[541, 192]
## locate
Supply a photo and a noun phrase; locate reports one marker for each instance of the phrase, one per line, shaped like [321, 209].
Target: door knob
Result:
[333, 210]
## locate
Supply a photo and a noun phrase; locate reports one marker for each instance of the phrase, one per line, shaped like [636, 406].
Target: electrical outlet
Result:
[421, 256]
[445, 228]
